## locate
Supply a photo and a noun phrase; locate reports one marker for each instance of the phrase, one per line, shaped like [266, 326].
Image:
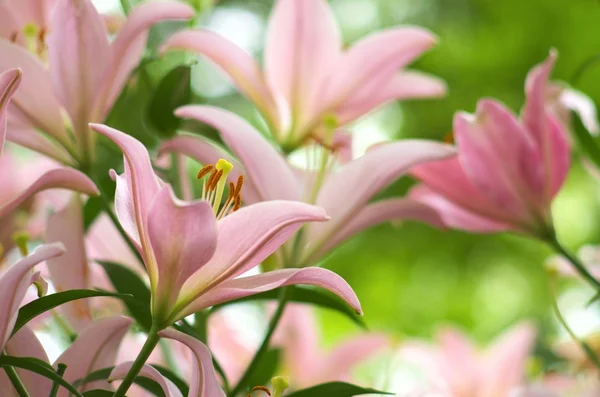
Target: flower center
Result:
[35, 39]
[213, 187]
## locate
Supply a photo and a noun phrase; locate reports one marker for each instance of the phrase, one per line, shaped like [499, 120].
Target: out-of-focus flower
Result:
[308, 78]
[574, 353]
[562, 100]
[507, 171]
[344, 192]
[194, 251]
[588, 254]
[26, 22]
[203, 383]
[560, 386]
[9, 82]
[456, 368]
[77, 79]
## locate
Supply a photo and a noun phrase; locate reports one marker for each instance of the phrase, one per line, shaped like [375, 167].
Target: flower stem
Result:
[284, 297]
[11, 372]
[151, 342]
[577, 264]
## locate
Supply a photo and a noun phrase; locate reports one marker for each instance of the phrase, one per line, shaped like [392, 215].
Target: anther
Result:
[216, 180]
[238, 186]
[259, 388]
[238, 203]
[205, 171]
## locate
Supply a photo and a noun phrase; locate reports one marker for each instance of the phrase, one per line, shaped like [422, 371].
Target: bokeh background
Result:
[412, 278]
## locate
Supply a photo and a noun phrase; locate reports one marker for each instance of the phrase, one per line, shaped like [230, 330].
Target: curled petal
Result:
[583, 106]
[9, 82]
[246, 286]
[147, 371]
[64, 178]
[27, 136]
[14, 282]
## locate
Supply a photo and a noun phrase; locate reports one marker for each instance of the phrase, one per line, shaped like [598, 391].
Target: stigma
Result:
[213, 188]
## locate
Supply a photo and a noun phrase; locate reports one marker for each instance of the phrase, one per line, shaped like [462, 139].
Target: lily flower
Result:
[26, 22]
[81, 77]
[343, 192]
[308, 77]
[9, 82]
[457, 368]
[204, 382]
[195, 251]
[507, 171]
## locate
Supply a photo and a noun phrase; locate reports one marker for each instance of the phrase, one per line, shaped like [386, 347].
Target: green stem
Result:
[60, 371]
[283, 300]
[577, 264]
[151, 342]
[16, 381]
[126, 6]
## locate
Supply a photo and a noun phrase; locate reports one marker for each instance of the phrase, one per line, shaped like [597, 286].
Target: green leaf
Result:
[49, 302]
[310, 296]
[177, 381]
[128, 282]
[266, 368]
[100, 374]
[337, 389]
[98, 393]
[173, 91]
[587, 143]
[39, 367]
[148, 384]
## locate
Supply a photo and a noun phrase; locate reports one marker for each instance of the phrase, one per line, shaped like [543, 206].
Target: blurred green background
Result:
[412, 278]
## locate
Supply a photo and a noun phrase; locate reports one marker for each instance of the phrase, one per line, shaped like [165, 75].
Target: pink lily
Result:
[86, 73]
[26, 22]
[307, 76]
[344, 192]
[9, 82]
[507, 171]
[193, 259]
[204, 382]
[457, 369]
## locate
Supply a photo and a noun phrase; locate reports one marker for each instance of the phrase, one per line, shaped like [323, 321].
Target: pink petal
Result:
[9, 82]
[147, 371]
[347, 191]
[506, 360]
[95, 348]
[266, 168]
[29, 137]
[238, 64]
[303, 44]
[501, 159]
[78, 51]
[246, 286]
[206, 152]
[14, 282]
[136, 189]
[373, 61]
[204, 382]
[246, 238]
[403, 85]
[536, 85]
[35, 100]
[382, 211]
[10, 24]
[71, 271]
[63, 178]
[127, 49]
[458, 361]
[183, 237]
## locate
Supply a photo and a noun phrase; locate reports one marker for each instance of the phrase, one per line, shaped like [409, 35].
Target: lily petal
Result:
[238, 64]
[14, 282]
[456, 348]
[77, 51]
[147, 371]
[183, 237]
[247, 237]
[62, 178]
[246, 286]
[583, 106]
[403, 85]
[204, 382]
[350, 188]
[71, 271]
[35, 100]
[29, 137]
[373, 61]
[303, 43]
[382, 211]
[206, 152]
[9, 82]
[127, 49]
[267, 169]
[95, 348]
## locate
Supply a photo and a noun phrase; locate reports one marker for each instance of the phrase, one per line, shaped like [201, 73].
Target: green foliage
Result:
[337, 389]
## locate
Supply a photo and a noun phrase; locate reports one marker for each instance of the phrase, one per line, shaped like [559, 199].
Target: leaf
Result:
[126, 281]
[100, 374]
[104, 373]
[266, 368]
[337, 389]
[173, 91]
[39, 367]
[305, 295]
[177, 381]
[98, 393]
[587, 143]
[49, 302]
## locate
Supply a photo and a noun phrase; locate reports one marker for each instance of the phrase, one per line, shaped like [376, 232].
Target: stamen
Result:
[238, 203]
[13, 37]
[214, 187]
[259, 388]
[238, 186]
[205, 171]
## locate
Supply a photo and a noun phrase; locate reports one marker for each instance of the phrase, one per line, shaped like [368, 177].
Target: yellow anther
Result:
[215, 184]
[21, 239]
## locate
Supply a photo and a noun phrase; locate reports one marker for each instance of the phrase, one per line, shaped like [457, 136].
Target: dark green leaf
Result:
[49, 302]
[587, 143]
[126, 281]
[173, 91]
[100, 374]
[148, 384]
[266, 368]
[337, 389]
[310, 296]
[39, 367]
[177, 381]
[98, 393]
